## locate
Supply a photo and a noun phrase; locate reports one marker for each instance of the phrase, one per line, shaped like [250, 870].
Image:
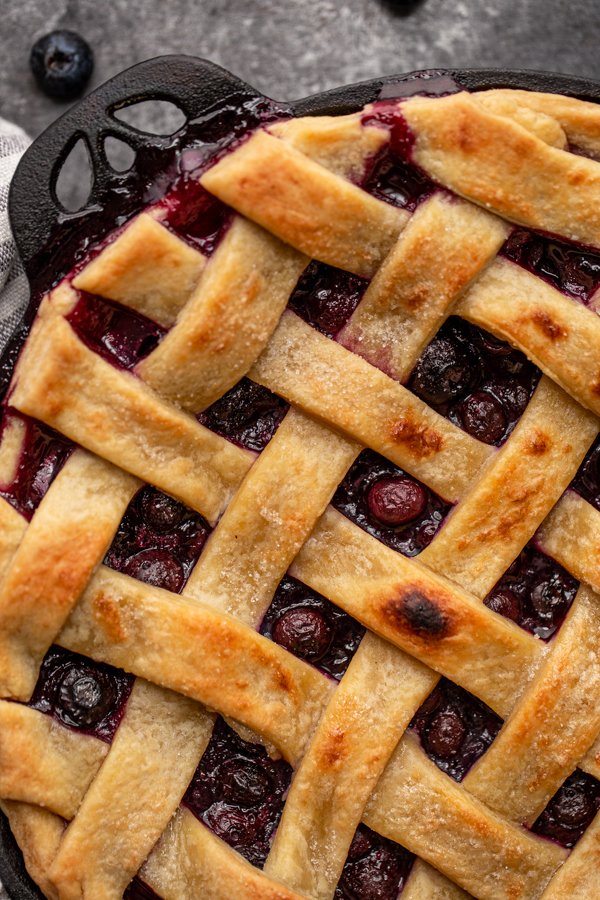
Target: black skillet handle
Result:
[47, 235]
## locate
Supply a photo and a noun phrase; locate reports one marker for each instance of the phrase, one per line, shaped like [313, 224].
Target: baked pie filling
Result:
[300, 508]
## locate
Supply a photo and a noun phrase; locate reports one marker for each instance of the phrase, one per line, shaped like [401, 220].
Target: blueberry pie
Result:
[300, 518]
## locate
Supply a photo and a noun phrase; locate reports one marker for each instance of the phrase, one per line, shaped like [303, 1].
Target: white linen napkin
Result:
[14, 290]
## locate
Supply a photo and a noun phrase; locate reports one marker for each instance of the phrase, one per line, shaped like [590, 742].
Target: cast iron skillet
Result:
[47, 236]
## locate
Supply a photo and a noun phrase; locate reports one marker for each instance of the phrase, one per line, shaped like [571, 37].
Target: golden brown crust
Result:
[115, 415]
[38, 834]
[356, 736]
[147, 268]
[191, 648]
[306, 205]
[557, 333]
[228, 319]
[325, 380]
[443, 248]
[270, 517]
[483, 852]
[128, 806]
[418, 611]
[56, 778]
[67, 539]
[457, 143]
[552, 726]
[514, 491]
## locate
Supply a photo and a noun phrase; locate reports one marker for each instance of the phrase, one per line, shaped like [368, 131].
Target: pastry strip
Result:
[270, 517]
[551, 727]
[146, 267]
[112, 413]
[557, 333]
[151, 761]
[417, 610]
[196, 651]
[335, 385]
[445, 245]
[457, 141]
[67, 538]
[306, 205]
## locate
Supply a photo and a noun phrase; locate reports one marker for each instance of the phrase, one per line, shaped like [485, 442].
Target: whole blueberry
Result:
[396, 501]
[62, 63]
[303, 631]
[444, 372]
[84, 696]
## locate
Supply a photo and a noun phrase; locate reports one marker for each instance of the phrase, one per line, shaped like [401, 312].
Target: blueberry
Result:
[504, 602]
[238, 827]
[244, 782]
[396, 501]
[573, 807]
[373, 877]
[304, 632]
[62, 63]
[483, 417]
[443, 372]
[161, 512]
[156, 567]
[84, 696]
[549, 597]
[446, 733]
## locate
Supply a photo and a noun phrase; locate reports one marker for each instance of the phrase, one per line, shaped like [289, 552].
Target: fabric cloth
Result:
[14, 291]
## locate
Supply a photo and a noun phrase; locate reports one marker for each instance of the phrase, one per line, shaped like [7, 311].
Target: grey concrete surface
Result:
[290, 48]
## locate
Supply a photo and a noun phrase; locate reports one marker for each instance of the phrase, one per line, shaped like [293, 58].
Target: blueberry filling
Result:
[455, 728]
[81, 693]
[391, 505]
[119, 335]
[238, 792]
[477, 381]
[326, 297]
[194, 214]
[571, 809]
[139, 890]
[390, 175]
[158, 541]
[248, 415]
[312, 628]
[573, 269]
[43, 454]
[376, 868]
[587, 480]
[535, 592]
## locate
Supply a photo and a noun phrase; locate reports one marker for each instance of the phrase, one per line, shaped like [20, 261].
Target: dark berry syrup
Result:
[571, 268]
[84, 695]
[571, 809]
[43, 454]
[119, 335]
[238, 792]
[587, 480]
[312, 628]
[248, 415]
[455, 728]
[326, 297]
[376, 868]
[389, 504]
[477, 381]
[535, 592]
[158, 541]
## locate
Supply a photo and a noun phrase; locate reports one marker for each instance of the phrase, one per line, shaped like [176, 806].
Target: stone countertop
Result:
[292, 48]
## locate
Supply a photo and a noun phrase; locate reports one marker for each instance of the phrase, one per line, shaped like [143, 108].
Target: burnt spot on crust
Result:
[414, 611]
[538, 444]
[553, 330]
[417, 437]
